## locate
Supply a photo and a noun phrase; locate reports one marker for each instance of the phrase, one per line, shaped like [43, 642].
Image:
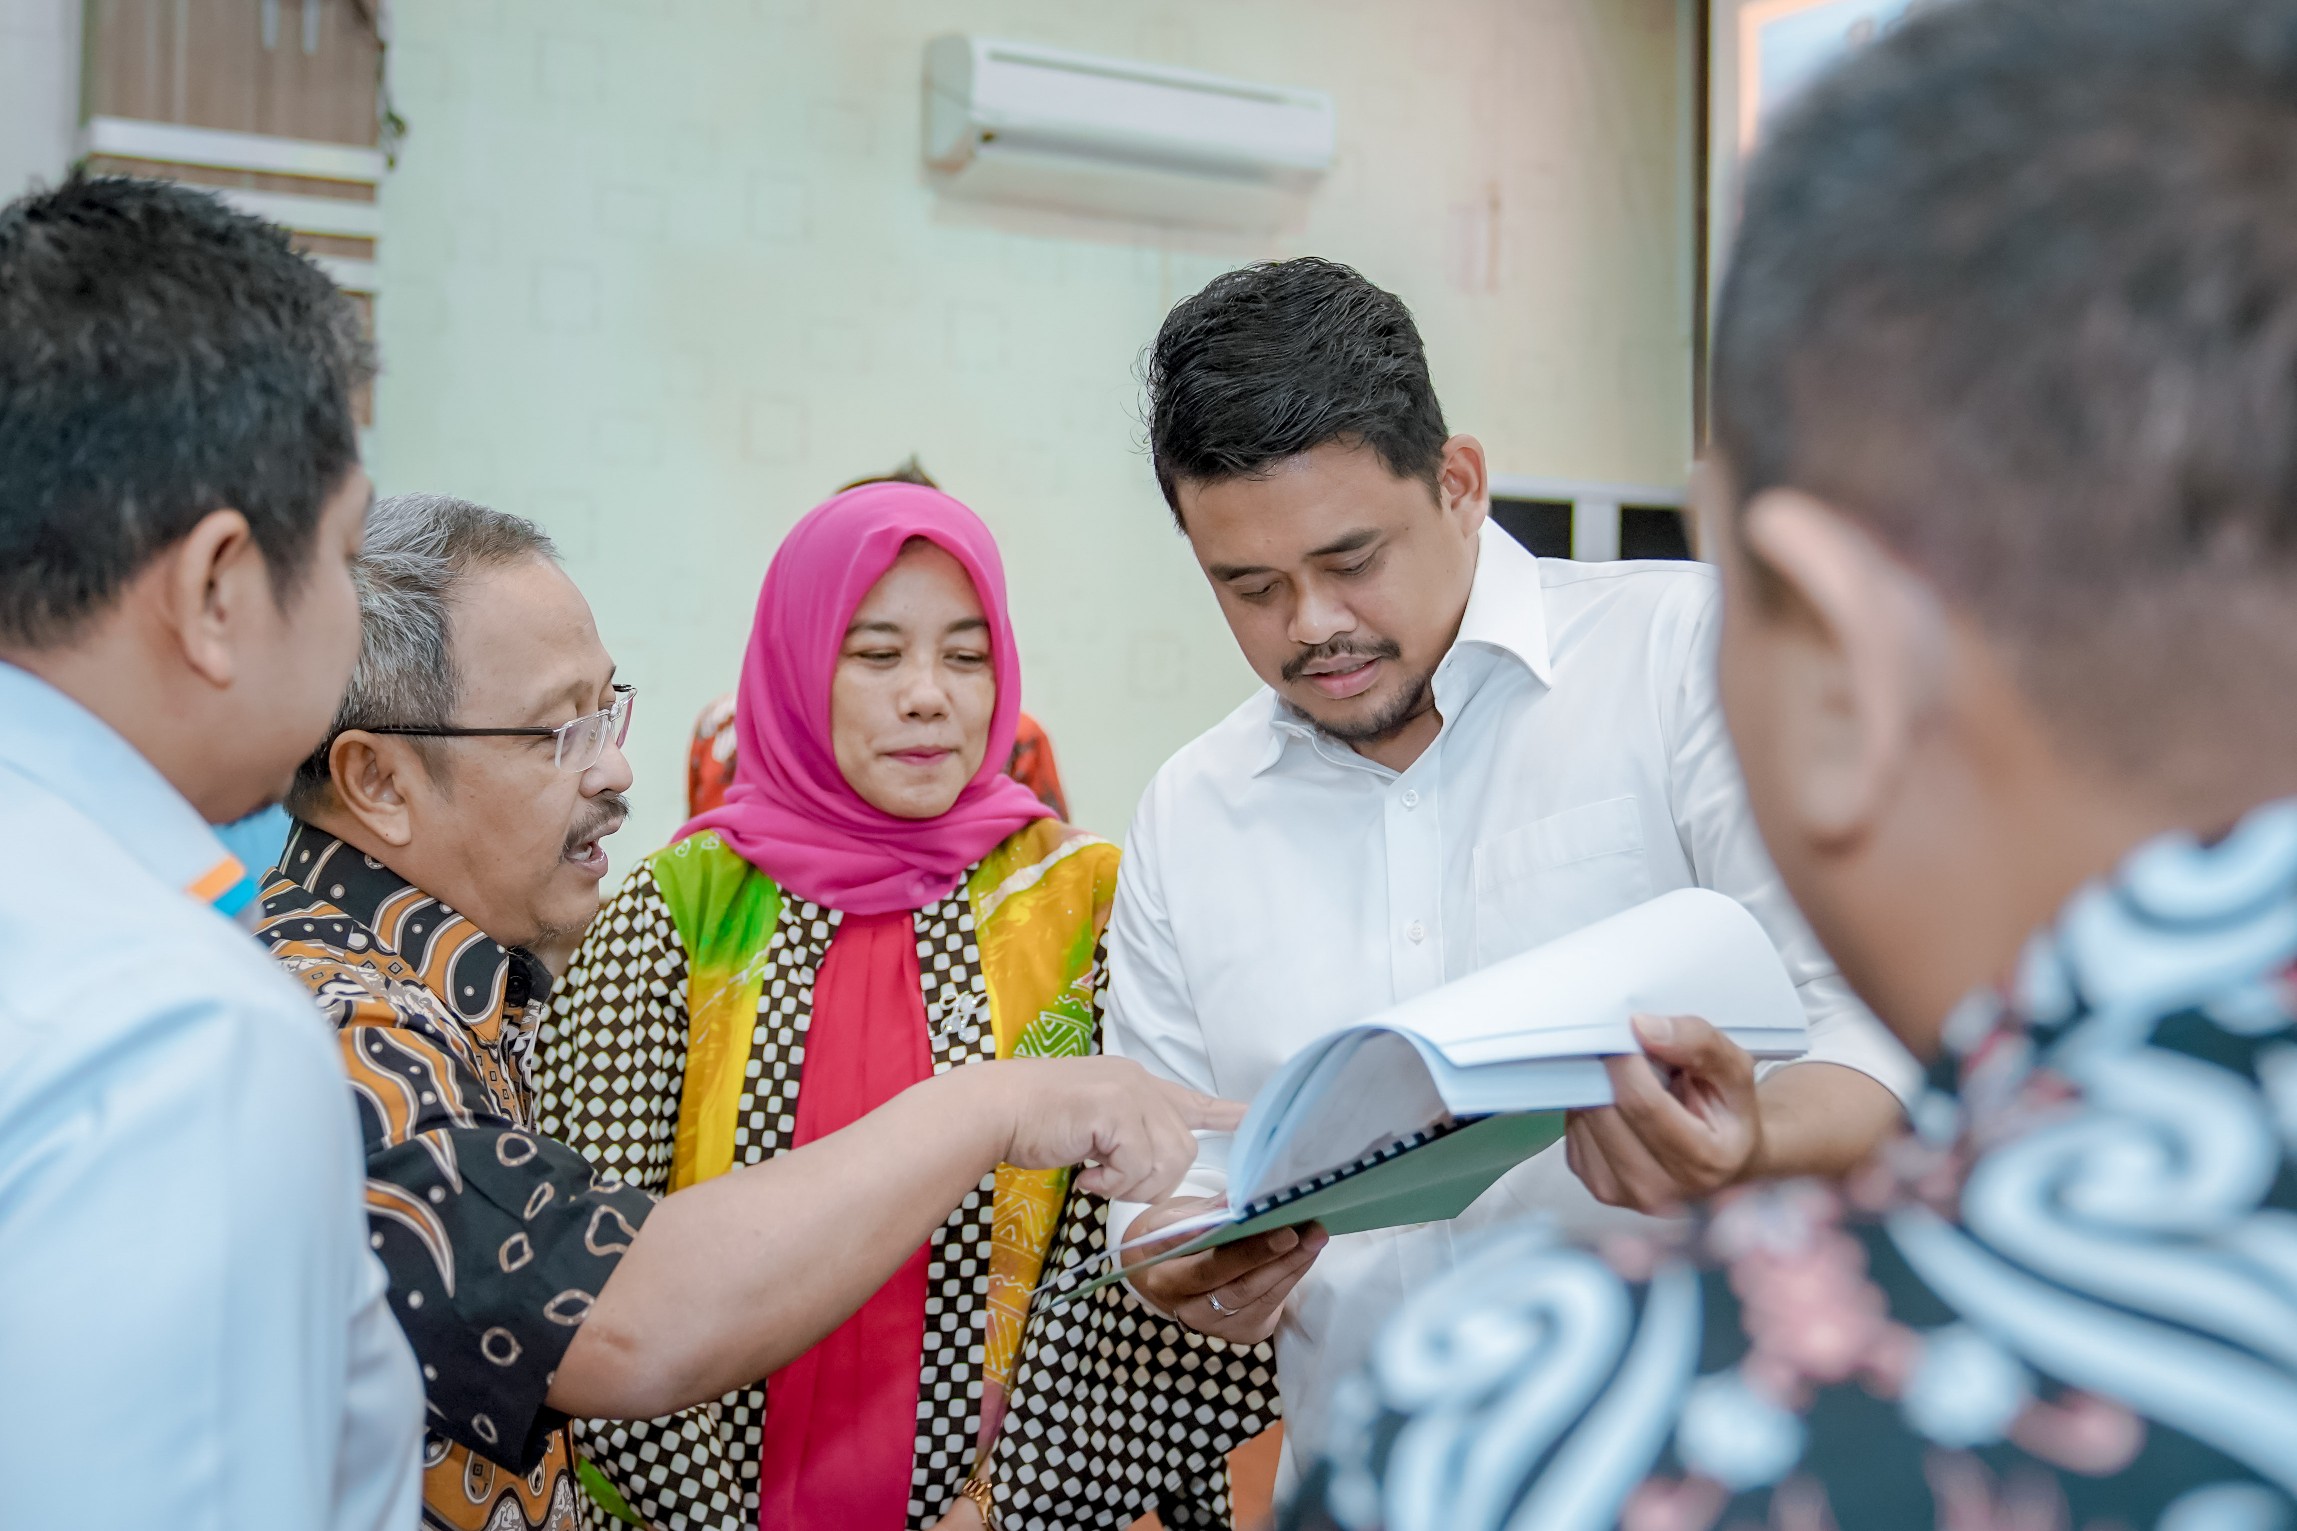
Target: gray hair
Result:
[418, 550]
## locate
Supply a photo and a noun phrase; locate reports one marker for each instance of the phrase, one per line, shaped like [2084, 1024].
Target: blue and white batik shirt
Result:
[2068, 1302]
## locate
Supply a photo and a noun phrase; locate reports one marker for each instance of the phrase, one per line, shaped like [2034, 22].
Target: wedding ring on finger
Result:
[1218, 1306]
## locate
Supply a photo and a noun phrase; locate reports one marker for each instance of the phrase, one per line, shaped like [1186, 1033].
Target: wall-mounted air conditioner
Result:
[1017, 122]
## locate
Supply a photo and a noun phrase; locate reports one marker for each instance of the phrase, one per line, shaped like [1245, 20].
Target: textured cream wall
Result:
[662, 275]
[39, 91]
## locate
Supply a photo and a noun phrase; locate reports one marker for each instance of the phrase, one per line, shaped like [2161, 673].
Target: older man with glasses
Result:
[449, 826]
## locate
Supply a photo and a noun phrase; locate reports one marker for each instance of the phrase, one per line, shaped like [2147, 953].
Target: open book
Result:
[1410, 1116]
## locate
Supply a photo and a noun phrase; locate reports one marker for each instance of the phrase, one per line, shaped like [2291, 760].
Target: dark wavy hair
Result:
[1271, 360]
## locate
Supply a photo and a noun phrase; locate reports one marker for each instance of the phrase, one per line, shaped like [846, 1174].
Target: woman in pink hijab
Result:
[875, 902]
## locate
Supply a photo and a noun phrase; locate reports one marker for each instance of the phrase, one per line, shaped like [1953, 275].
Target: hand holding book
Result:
[1235, 1291]
[1683, 1121]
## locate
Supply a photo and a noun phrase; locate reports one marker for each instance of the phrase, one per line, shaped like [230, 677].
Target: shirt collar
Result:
[1507, 607]
[1506, 613]
[474, 973]
[68, 751]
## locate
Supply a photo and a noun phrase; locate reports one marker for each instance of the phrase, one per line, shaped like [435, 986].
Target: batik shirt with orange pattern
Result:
[497, 1239]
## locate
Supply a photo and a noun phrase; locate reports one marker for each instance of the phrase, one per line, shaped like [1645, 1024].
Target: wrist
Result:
[1764, 1160]
[989, 1107]
[1760, 1164]
[1821, 1118]
[981, 1496]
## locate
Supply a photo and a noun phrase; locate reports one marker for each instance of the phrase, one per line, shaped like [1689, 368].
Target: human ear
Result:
[1860, 642]
[368, 774]
[212, 579]
[1463, 487]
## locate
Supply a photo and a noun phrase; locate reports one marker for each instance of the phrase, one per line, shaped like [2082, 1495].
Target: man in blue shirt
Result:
[2005, 498]
[192, 1327]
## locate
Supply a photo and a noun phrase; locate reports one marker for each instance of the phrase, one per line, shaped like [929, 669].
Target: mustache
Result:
[606, 814]
[1337, 648]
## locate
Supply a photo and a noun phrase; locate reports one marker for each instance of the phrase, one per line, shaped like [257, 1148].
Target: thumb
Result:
[1687, 1042]
[1102, 1180]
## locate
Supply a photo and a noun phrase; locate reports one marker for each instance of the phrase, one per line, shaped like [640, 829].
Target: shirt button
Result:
[1411, 797]
[1416, 931]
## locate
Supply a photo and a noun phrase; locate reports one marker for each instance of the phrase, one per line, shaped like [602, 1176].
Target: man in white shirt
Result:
[1461, 752]
[192, 1327]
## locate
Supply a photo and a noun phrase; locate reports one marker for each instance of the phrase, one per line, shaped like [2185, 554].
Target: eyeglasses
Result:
[579, 743]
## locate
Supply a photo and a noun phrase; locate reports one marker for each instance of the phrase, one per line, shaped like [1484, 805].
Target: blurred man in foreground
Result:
[2005, 494]
[192, 1329]
[454, 819]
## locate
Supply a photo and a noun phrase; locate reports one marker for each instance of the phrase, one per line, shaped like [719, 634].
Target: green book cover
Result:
[1428, 1183]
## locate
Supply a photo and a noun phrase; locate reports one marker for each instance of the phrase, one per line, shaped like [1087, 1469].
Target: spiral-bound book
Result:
[1410, 1116]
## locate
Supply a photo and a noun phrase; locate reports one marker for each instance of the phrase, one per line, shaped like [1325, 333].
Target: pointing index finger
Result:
[1210, 1113]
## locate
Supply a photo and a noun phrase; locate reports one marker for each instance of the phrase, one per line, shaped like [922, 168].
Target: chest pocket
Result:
[1556, 874]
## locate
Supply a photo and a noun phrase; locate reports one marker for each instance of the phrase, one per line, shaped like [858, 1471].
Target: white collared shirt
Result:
[1277, 886]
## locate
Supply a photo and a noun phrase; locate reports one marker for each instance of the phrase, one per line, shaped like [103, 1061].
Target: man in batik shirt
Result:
[2005, 496]
[452, 823]
[475, 1211]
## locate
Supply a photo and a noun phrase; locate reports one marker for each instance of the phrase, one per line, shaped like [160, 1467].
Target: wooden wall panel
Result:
[204, 63]
[209, 64]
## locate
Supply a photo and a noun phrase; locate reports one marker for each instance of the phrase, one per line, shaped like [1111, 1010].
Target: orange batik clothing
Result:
[496, 1239]
[676, 1052]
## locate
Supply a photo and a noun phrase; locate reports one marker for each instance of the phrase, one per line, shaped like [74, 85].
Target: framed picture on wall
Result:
[1760, 53]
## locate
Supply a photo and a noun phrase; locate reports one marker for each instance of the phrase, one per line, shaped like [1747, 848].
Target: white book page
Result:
[1527, 1084]
[1275, 1108]
[1690, 952]
[1525, 1034]
[1368, 1096]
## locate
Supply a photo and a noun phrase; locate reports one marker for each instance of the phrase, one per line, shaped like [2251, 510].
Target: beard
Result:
[1414, 697]
[1410, 701]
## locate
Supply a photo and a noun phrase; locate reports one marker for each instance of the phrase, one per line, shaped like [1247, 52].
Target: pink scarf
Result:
[790, 812]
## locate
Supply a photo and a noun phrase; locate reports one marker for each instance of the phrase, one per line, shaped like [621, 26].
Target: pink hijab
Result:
[790, 812]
